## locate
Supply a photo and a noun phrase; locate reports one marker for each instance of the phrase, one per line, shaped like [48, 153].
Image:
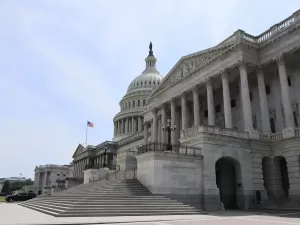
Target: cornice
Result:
[193, 73]
[127, 113]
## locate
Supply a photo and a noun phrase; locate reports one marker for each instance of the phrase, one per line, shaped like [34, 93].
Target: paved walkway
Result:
[12, 213]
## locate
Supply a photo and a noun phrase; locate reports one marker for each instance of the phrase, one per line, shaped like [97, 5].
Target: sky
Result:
[63, 62]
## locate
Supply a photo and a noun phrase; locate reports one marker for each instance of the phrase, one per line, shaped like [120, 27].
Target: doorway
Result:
[226, 179]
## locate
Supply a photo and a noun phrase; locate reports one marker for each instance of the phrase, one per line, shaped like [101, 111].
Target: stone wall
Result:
[175, 176]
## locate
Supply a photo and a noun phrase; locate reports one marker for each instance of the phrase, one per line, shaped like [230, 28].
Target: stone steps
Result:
[108, 198]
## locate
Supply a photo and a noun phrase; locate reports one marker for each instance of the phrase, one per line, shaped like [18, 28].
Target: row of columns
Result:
[79, 167]
[246, 103]
[128, 125]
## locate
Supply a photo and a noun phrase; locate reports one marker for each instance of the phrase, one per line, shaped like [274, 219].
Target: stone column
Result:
[139, 124]
[119, 127]
[146, 127]
[264, 109]
[154, 125]
[285, 95]
[159, 130]
[126, 126]
[183, 112]
[173, 117]
[293, 163]
[163, 121]
[132, 125]
[210, 103]
[196, 106]
[248, 122]
[226, 100]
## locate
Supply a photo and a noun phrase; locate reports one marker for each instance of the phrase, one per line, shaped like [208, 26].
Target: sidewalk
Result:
[12, 213]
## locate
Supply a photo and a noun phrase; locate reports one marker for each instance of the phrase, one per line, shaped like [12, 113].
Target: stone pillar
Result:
[183, 112]
[139, 124]
[163, 121]
[226, 100]
[146, 127]
[173, 117]
[126, 126]
[210, 103]
[159, 130]
[293, 164]
[248, 122]
[119, 127]
[264, 109]
[132, 125]
[286, 100]
[196, 107]
[154, 125]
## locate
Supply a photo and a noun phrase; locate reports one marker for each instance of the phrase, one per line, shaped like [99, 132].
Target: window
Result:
[218, 108]
[133, 104]
[268, 90]
[150, 82]
[129, 105]
[272, 123]
[289, 81]
[64, 175]
[126, 105]
[205, 113]
[144, 102]
[139, 103]
[295, 119]
[58, 174]
[233, 104]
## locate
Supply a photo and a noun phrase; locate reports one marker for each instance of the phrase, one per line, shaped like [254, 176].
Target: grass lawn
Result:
[2, 198]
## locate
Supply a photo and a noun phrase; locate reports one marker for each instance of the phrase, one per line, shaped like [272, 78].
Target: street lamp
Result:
[168, 128]
[105, 154]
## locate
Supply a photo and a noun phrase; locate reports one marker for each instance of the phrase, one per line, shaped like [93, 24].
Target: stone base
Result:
[288, 132]
[253, 134]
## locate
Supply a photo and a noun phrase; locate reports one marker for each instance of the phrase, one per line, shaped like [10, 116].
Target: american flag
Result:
[90, 124]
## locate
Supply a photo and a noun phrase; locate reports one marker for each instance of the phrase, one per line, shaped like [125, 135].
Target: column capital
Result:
[242, 64]
[195, 88]
[279, 59]
[153, 110]
[224, 74]
[208, 81]
[259, 68]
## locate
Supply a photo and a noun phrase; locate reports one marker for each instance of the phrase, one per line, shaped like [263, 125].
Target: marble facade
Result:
[238, 102]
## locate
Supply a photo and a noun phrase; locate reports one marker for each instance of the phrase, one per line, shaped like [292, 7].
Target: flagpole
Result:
[86, 134]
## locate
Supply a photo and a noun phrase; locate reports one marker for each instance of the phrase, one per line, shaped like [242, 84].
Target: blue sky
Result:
[64, 62]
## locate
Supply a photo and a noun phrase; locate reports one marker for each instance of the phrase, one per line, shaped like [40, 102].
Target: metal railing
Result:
[166, 147]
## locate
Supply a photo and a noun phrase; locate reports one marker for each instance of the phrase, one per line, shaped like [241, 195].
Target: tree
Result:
[6, 187]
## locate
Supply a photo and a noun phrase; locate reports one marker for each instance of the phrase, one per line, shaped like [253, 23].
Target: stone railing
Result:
[297, 131]
[273, 30]
[178, 149]
[213, 130]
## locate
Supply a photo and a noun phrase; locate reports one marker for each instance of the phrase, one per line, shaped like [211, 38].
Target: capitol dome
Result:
[150, 77]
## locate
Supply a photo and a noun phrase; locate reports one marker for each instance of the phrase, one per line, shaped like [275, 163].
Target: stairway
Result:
[118, 197]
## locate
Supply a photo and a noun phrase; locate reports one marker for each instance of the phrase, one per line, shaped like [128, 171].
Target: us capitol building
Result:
[221, 126]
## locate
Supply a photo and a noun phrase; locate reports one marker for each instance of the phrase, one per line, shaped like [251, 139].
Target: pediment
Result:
[79, 150]
[190, 63]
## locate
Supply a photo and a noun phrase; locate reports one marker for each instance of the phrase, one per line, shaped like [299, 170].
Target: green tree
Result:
[6, 187]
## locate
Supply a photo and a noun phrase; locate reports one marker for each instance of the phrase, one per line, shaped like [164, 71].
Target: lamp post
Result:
[168, 128]
[105, 154]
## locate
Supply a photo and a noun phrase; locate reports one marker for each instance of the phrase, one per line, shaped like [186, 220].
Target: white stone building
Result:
[47, 176]
[236, 110]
